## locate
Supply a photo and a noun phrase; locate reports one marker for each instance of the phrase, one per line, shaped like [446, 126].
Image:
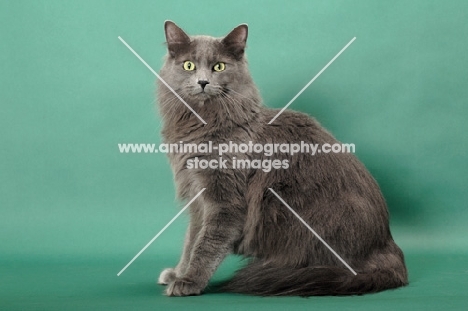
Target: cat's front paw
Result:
[167, 276]
[184, 287]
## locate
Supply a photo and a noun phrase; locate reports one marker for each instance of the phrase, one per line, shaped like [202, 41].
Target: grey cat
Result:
[333, 192]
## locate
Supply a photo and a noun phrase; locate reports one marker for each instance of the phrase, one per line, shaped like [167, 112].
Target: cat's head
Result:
[201, 66]
[210, 74]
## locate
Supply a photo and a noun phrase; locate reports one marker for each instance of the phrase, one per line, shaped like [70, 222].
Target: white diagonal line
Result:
[164, 82]
[313, 79]
[162, 230]
[312, 230]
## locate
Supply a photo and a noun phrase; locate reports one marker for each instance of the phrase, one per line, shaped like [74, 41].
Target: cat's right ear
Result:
[235, 41]
[176, 38]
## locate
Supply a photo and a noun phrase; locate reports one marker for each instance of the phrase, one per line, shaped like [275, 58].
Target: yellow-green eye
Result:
[219, 66]
[189, 66]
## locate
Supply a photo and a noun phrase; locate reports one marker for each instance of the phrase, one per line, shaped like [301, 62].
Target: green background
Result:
[74, 211]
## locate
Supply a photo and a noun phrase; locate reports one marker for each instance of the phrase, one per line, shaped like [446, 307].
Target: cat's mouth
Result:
[203, 93]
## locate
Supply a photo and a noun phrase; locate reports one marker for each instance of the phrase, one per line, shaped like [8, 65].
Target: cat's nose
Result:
[203, 83]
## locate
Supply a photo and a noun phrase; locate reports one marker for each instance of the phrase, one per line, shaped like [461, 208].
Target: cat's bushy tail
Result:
[259, 278]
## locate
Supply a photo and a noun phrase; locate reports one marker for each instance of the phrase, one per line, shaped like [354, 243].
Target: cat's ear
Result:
[176, 38]
[235, 41]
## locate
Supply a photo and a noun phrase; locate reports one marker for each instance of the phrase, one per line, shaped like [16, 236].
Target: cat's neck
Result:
[222, 116]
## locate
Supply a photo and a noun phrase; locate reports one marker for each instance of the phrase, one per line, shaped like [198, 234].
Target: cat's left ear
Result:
[235, 41]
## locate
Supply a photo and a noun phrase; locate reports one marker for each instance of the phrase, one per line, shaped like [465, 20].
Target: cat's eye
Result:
[219, 66]
[189, 66]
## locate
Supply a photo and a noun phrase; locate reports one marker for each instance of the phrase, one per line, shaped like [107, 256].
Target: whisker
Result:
[238, 104]
[242, 95]
[225, 106]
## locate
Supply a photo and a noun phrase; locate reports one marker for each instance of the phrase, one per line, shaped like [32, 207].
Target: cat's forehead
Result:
[205, 48]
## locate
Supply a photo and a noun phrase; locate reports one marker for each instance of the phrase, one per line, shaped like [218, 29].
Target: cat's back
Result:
[294, 127]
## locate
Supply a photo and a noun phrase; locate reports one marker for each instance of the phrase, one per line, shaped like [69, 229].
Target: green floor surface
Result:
[437, 282]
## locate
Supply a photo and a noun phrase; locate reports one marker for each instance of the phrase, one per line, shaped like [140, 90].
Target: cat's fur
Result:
[333, 193]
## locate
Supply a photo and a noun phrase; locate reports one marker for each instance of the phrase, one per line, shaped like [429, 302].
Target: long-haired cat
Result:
[332, 192]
